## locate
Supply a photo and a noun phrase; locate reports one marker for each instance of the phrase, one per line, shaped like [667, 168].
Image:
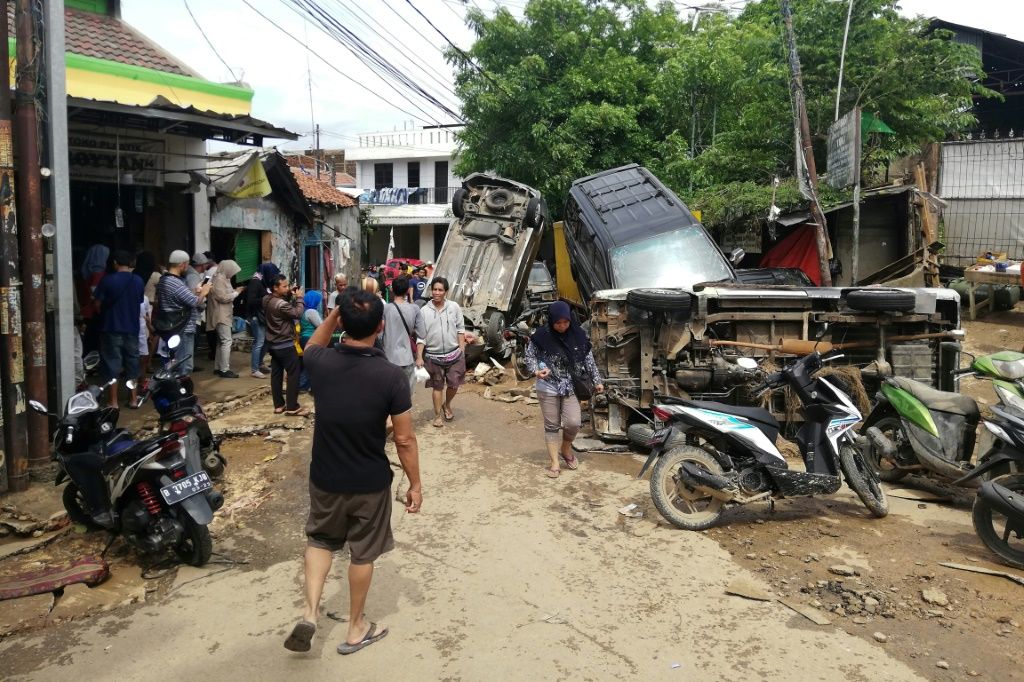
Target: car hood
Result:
[777, 292]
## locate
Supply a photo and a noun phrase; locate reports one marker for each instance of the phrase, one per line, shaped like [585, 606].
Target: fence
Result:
[408, 195]
[983, 182]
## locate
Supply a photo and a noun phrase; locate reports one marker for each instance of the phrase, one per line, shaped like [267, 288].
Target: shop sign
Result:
[102, 158]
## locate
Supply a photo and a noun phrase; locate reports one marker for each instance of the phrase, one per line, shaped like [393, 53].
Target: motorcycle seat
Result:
[941, 401]
[757, 416]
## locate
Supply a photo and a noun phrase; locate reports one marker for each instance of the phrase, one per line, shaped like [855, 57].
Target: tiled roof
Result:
[344, 180]
[105, 37]
[320, 192]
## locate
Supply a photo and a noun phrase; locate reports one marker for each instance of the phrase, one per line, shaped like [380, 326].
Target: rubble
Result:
[934, 597]
[842, 570]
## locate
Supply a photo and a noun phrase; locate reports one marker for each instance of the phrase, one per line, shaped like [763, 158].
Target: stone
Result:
[843, 570]
[934, 597]
[25, 612]
[942, 664]
[782, 552]
[860, 620]
[880, 637]
[752, 556]
[870, 604]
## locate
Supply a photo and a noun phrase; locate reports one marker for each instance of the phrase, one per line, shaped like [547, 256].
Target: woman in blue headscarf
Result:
[558, 352]
[311, 319]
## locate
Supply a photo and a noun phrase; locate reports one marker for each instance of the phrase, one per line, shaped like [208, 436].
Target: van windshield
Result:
[680, 258]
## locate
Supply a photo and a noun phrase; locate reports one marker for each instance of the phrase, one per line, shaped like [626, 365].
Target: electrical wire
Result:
[208, 42]
[335, 68]
[392, 76]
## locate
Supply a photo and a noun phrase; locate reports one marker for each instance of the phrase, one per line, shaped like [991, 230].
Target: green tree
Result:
[578, 86]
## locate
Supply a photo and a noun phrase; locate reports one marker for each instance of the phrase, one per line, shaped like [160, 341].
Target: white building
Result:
[407, 175]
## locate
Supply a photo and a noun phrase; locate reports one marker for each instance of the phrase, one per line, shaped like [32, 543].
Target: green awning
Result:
[872, 124]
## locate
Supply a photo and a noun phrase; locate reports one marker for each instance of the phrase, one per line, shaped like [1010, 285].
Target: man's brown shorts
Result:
[454, 375]
[362, 520]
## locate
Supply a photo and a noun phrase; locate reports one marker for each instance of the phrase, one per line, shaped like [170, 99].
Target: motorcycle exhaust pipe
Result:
[1003, 500]
[885, 448]
[706, 482]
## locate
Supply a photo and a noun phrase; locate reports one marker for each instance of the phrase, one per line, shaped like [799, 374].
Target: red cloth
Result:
[90, 570]
[798, 250]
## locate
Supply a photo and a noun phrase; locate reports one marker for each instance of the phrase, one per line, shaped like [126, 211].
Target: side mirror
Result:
[38, 407]
[736, 255]
[821, 332]
[174, 342]
[91, 360]
[747, 363]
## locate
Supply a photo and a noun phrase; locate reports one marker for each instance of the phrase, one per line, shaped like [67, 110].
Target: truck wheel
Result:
[661, 300]
[458, 199]
[640, 433]
[532, 217]
[494, 332]
[499, 200]
[881, 300]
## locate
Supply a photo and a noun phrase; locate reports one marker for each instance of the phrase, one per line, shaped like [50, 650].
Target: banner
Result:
[255, 184]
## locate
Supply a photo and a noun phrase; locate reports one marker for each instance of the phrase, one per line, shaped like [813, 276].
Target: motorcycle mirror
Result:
[91, 359]
[747, 363]
[821, 332]
[736, 255]
[38, 407]
[174, 342]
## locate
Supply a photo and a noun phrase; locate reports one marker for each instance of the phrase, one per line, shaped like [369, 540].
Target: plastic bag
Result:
[421, 375]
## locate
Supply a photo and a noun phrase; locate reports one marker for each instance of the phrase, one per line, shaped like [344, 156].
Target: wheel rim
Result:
[685, 499]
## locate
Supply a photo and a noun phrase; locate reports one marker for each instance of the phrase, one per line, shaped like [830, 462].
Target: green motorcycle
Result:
[915, 428]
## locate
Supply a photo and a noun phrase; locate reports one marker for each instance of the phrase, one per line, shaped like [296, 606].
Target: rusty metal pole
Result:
[30, 220]
[800, 104]
[12, 368]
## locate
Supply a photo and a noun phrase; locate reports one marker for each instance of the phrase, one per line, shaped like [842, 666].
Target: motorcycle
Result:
[517, 337]
[915, 428]
[998, 512]
[180, 411]
[143, 491]
[730, 456]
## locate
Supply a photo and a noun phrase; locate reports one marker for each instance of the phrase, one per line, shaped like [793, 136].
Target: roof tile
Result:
[105, 37]
[320, 192]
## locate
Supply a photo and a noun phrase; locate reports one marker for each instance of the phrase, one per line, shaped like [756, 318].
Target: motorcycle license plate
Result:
[186, 487]
[659, 436]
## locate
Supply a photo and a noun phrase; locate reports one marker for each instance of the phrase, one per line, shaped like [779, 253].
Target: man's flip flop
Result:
[302, 635]
[371, 636]
[297, 412]
[448, 415]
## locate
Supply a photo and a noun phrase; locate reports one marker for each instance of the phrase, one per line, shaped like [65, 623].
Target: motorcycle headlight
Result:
[1010, 399]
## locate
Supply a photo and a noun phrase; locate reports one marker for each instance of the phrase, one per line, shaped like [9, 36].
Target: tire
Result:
[682, 508]
[214, 464]
[532, 217]
[881, 300]
[985, 518]
[860, 476]
[519, 366]
[458, 199]
[661, 300]
[196, 545]
[74, 504]
[893, 430]
[494, 330]
[640, 433]
[499, 200]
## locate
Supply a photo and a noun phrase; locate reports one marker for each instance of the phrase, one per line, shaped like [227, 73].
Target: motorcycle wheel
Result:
[519, 366]
[994, 529]
[214, 464]
[861, 477]
[196, 545]
[681, 505]
[74, 504]
[893, 430]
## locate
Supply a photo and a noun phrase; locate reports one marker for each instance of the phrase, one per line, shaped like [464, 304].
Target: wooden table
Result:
[976, 277]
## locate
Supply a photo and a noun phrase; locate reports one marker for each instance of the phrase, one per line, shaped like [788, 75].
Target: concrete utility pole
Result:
[30, 219]
[12, 367]
[800, 111]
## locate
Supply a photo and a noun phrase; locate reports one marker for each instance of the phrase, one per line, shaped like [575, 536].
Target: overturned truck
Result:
[669, 316]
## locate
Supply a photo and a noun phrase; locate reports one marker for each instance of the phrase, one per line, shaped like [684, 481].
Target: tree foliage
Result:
[578, 86]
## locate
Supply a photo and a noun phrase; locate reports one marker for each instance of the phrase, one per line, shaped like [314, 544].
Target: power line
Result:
[335, 68]
[208, 42]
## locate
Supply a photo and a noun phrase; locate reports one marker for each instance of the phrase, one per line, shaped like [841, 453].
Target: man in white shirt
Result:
[340, 283]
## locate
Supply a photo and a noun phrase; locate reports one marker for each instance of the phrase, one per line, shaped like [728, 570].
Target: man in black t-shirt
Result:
[349, 474]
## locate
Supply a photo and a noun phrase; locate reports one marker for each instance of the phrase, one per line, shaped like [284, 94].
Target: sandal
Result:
[301, 637]
[371, 636]
[551, 472]
[438, 423]
[448, 414]
[570, 463]
[297, 412]
[278, 410]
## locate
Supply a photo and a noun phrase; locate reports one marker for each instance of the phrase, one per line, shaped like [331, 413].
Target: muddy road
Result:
[509, 575]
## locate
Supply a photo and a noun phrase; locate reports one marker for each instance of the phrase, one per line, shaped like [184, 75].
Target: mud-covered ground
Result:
[507, 574]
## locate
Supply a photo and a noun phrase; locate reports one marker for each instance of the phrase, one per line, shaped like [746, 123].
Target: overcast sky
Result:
[276, 66]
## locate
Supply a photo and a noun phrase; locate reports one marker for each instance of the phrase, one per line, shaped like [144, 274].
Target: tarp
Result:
[798, 250]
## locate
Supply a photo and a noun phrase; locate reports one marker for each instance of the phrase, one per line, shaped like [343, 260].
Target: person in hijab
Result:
[219, 315]
[556, 352]
[311, 319]
[254, 293]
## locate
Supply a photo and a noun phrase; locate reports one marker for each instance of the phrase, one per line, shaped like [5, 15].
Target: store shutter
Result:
[247, 253]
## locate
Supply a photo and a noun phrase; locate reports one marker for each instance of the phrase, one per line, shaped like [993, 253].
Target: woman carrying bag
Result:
[561, 357]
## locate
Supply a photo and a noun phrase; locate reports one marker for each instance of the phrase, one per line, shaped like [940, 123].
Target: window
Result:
[441, 182]
[680, 258]
[414, 174]
[383, 175]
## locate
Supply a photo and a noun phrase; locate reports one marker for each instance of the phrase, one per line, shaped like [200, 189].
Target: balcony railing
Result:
[398, 196]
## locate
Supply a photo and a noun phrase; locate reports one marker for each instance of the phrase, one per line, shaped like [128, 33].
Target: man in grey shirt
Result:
[403, 326]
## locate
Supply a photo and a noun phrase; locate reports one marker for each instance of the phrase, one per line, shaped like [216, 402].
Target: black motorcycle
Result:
[730, 458]
[179, 411]
[143, 491]
[998, 512]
